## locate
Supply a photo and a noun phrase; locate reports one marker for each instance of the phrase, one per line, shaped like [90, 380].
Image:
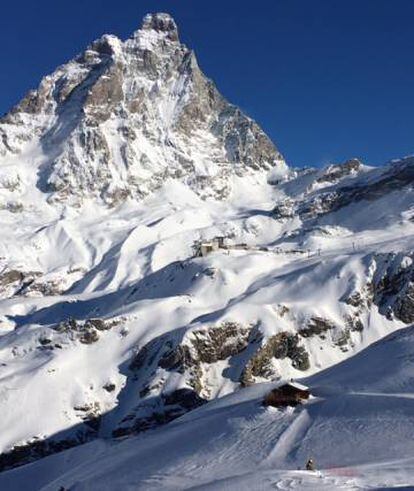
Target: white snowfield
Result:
[112, 324]
[360, 438]
[360, 425]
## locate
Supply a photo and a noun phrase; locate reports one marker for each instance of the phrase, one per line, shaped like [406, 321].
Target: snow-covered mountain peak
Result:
[162, 23]
[108, 45]
[158, 32]
[123, 117]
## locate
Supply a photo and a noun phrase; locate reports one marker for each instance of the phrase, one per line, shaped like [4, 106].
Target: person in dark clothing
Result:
[310, 465]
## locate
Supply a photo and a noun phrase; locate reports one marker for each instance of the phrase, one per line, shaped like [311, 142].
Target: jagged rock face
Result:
[198, 349]
[389, 286]
[284, 209]
[29, 452]
[124, 116]
[209, 346]
[279, 346]
[393, 286]
[397, 177]
[316, 326]
[341, 185]
[335, 172]
[195, 358]
[19, 283]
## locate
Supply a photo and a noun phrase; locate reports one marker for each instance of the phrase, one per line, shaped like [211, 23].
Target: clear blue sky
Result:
[326, 79]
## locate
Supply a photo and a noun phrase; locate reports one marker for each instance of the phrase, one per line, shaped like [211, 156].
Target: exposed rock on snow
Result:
[335, 172]
[282, 345]
[393, 286]
[316, 326]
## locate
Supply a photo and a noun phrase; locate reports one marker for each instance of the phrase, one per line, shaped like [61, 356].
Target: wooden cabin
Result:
[288, 394]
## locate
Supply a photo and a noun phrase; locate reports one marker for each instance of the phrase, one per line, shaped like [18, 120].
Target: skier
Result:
[310, 465]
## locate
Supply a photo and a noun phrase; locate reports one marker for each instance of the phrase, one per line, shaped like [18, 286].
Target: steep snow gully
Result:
[162, 270]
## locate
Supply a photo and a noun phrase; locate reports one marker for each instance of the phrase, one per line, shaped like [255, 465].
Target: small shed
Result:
[288, 394]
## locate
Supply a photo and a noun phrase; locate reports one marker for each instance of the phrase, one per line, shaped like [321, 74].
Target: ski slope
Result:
[360, 439]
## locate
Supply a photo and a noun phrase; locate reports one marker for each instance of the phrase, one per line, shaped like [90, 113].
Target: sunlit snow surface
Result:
[126, 263]
[360, 439]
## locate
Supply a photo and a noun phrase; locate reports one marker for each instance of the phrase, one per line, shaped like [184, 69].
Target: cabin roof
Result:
[295, 385]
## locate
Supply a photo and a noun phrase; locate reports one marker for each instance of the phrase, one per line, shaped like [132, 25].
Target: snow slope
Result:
[142, 281]
[360, 439]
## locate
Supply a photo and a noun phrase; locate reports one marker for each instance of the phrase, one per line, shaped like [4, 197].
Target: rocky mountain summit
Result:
[122, 117]
[158, 254]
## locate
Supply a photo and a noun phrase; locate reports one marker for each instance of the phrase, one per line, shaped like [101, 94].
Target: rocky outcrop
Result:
[397, 176]
[209, 345]
[14, 282]
[161, 23]
[203, 348]
[164, 409]
[393, 286]
[316, 202]
[85, 331]
[389, 286]
[90, 414]
[191, 358]
[36, 449]
[339, 335]
[284, 209]
[206, 346]
[280, 346]
[333, 173]
[317, 326]
[354, 323]
[88, 336]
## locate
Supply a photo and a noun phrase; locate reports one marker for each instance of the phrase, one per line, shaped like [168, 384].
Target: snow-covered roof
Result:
[296, 385]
